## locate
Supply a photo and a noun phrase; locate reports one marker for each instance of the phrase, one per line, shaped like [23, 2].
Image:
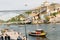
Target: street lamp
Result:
[25, 31]
[25, 25]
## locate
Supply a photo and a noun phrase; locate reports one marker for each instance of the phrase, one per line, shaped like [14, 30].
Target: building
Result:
[54, 19]
[46, 9]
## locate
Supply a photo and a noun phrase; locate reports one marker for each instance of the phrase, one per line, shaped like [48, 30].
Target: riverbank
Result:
[27, 23]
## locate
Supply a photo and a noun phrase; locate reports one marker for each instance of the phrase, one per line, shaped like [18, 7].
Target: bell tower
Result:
[45, 3]
[45, 7]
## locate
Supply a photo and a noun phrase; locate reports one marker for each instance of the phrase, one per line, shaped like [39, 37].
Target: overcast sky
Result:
[19, 5]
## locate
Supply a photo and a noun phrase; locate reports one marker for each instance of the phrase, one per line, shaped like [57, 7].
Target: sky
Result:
[19, 5]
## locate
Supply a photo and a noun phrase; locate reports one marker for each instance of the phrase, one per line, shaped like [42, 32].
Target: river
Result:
[53, 30]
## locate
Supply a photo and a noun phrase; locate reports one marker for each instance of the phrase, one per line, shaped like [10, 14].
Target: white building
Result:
[55, 19]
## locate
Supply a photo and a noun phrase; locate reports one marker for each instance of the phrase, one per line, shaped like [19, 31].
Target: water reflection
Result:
[42, 38]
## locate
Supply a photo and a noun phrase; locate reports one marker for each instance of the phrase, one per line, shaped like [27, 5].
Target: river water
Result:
[53, 30]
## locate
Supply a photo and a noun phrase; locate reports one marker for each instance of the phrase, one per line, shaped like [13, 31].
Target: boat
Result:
[12, 33]
[25, 22]
[38, 33]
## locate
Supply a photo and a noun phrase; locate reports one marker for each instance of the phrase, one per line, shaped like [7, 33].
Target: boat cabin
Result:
[40, 30]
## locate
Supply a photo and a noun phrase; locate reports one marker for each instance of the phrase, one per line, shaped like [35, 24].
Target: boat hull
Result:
[37, 35]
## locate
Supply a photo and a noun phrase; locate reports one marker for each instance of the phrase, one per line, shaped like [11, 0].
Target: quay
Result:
[13, 34]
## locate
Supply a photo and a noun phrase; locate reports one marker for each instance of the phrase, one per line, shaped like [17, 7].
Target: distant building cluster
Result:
[43, 13]
[46, 13]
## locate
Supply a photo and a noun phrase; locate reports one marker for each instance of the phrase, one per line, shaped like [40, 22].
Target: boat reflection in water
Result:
[42, 38]
[13, 34]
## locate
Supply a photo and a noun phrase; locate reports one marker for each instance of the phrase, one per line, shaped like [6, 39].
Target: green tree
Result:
[47, 18]
[28, 12]
[16, 18]
[54, 14]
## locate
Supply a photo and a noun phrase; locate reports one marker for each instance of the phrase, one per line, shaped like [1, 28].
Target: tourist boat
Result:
[38, 33]
[12, 33]
[25, 22]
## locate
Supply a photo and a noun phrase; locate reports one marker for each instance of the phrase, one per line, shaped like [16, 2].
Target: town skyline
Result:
[6, 16]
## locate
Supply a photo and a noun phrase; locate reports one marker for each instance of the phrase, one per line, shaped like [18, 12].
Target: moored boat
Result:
[38, 33]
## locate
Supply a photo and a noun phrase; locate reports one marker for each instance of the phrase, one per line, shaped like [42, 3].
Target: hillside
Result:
[52, 7]
[17, 18]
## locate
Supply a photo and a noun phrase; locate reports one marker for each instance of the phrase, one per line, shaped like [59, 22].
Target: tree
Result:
[54, 14]
[47, 18]
[28, 12]
[16, 18]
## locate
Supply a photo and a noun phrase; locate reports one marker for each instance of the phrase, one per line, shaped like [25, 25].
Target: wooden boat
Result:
[38, 33]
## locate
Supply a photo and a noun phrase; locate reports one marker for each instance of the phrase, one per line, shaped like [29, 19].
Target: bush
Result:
[54, 14]
[47, 18]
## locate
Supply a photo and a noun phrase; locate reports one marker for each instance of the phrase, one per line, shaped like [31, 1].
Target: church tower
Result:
[45, 3]
[45, 7]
